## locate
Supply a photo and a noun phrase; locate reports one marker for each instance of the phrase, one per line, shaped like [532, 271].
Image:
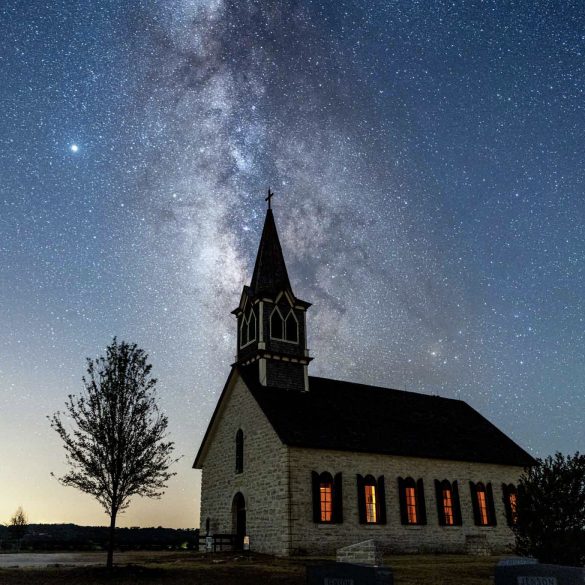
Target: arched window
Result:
[248, 328]
[276, 324]
[284, 329]
[371, 499]
[291, 327]
[239, 451]
[251, 326]
[448, 507]
[510, 503]
[327, 498]
[243, 332]
[482, 499]
[412, 501]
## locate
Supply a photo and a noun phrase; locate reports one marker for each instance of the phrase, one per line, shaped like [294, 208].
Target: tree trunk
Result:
[110, 561]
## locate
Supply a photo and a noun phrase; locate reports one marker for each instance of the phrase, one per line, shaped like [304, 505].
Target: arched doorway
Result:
[239, 519]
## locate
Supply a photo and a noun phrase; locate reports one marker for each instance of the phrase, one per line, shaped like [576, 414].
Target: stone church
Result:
[301, 464]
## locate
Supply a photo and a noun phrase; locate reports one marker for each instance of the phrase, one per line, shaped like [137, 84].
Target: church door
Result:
[239, 519]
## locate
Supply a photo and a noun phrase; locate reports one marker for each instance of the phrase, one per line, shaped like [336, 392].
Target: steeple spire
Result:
[270, 275]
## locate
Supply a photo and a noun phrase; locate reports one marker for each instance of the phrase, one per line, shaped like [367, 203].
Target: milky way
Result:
[428, 170]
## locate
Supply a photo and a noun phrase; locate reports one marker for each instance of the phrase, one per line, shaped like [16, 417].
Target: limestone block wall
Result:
[308, 537]
[263, 482]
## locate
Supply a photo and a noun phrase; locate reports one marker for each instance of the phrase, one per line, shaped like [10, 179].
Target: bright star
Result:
[74, 148]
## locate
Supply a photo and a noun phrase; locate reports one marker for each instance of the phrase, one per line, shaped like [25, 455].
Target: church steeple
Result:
[272, 340]
[270, 273]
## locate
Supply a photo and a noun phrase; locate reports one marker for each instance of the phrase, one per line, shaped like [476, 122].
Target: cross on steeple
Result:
[270, 196]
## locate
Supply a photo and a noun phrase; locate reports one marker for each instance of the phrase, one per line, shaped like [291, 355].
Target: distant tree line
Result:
[72, 537]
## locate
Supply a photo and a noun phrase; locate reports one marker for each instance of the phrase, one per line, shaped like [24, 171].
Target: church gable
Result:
[234, 407]
[246, 465]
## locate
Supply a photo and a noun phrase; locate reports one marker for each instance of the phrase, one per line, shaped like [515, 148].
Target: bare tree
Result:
[117, 445]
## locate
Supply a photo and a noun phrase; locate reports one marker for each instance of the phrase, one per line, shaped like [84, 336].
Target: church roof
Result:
[346, 416]
[270, 275]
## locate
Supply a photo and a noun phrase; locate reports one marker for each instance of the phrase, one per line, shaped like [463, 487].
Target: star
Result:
[74, 148]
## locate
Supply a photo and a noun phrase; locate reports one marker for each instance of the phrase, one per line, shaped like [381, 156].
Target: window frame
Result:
[489, 519]
[239, 451]
[371, 499]
[336, 485]
[245, 328]
[453, 488]
[284, 320]
[510, 497]
[411, 496]
[377, 485]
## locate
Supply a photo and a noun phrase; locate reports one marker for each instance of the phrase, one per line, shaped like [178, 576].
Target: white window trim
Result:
[246, 322]
[276, 309]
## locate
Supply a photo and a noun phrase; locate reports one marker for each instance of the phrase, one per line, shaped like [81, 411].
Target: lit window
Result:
[371, 515]
[326, 501]
[513, 502]
[448, 507]
[412, 501]
[482, 506]
[327, 497]
[371, 499]
[411, 505]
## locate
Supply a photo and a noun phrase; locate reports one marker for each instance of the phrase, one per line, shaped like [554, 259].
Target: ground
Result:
[185, 568]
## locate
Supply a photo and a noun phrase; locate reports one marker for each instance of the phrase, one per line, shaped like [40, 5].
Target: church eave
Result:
[280, 356]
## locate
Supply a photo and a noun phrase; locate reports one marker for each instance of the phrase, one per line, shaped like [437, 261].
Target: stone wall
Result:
[308, 537]
[263, 482]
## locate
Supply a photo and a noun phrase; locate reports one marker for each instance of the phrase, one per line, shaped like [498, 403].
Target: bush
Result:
[551, 510]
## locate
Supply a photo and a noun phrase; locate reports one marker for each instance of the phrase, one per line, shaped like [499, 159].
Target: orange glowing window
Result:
[411, 505]
[326, 500]
[482, 505]
[512, 499]
[371, 513]
[448, 507]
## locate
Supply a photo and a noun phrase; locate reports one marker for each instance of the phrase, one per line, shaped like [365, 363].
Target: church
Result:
[306, 465]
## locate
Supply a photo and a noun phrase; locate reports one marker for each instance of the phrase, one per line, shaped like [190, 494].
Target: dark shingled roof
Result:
[270, 275]
[346, 416]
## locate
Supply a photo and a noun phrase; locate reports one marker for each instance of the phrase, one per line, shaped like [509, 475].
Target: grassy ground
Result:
[230, 569]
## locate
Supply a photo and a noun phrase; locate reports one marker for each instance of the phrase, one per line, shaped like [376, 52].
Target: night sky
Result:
[427, 160]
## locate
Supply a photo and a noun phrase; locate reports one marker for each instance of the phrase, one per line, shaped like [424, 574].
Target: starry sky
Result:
[427, 160]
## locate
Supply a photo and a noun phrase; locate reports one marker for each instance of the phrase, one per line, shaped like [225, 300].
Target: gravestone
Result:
[367, 552]
[348, 574]
[513, 561]
[515, 572]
